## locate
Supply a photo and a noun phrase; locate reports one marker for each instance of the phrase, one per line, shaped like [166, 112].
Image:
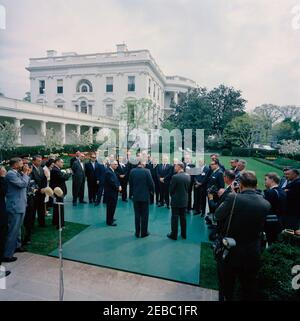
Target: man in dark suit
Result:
[189, 166]
[58, 179]
[215, 182]
[94, 173]
[78, 180]
[142, 187]
[292, 218]
[164, 172]
[3, 219]
[123, 174]
[73, 159]
[249, 210]
[200, 188]
[40, 179]
[111, 190]
[179, 189]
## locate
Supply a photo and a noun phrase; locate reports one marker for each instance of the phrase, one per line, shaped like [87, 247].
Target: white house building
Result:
[85, 92]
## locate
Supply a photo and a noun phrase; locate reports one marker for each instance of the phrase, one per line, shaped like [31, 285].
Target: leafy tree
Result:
[290, 112]
[287, 129]
[242, 131]
[194, 112]
[226, 104]
[9, 134]
[52, 140]
[269, 112]
[27, 96]
[84, 139]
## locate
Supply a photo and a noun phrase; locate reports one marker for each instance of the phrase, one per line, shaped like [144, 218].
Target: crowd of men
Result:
[236, 208]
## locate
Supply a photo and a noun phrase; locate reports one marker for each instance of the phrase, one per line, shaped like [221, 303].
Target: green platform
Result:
[118, 248]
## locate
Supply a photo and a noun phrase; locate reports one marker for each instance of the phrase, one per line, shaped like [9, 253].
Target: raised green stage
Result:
[118, 248]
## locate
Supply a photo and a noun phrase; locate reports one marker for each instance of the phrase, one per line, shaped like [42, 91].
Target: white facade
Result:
[98, 84]
[82, 93]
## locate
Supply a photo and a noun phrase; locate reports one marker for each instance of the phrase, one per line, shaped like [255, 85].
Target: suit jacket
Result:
[277, 198]
[78, 171]
[153, 171]
[58, 179]
[16, 193]
[292, 198]
[123, 170]
[141, 184]
[111, 184]
[214, 204]
[179, 189]
[202, 178]
[95, 174]
[247, 224]
[3, 188]
[164, 173]
[216, 179]
[39, 177]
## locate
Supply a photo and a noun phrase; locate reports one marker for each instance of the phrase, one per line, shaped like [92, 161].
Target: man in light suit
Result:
[16, 200]
[78, 180]
[142, 187]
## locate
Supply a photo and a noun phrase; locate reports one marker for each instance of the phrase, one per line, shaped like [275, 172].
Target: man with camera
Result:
[241, 217]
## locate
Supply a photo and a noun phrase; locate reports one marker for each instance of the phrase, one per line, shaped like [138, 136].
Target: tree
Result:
[290, 148]
[52, 140]
[226, 103]
[84, 139]
[194, 112]
[290, 111]
[9, 134]
[269, 112]
[27, 97]
[242, 131]
[287, 129]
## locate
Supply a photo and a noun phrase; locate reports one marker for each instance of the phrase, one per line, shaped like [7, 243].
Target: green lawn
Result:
[45, 240]
[208, 268]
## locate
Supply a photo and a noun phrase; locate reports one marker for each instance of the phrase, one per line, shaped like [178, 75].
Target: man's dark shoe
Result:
[9, 259]
[168, 207]
[126, 201]
[137, 235]
[113, 224]
[145, 235]
[202, 214]
[160, 205]
[197, 213]
[20, 249]
[74, 204]
[170, 236]
[97, 204]
[4, 274]
[83, 202]
[183, 236]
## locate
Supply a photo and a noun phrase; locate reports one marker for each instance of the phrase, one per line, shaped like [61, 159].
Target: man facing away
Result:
[78, 180]
[111, 190]
[17, 180]
[179, 190]
[142, 187]
[249, 210]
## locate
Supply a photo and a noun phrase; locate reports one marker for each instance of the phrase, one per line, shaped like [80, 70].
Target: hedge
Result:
[253, 152]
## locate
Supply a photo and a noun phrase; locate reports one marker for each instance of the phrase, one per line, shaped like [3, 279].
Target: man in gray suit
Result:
[78, 180]
[179, 190]
[142, 186]
[17, 180]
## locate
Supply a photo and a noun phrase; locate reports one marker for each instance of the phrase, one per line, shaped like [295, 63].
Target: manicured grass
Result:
[208, 268]
[45, 240]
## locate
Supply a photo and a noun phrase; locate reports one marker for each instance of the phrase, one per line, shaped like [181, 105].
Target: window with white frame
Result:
[109, 110]
[84, 86]
[60, 106]
[131, 83]
[109, 84]
[60, 86]
[83, 107]
[42, 86]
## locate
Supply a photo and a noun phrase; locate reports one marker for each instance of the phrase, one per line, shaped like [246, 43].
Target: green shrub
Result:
[275, 277]
[226, 152]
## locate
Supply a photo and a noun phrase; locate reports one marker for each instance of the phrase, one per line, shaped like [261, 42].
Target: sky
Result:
[252, 45]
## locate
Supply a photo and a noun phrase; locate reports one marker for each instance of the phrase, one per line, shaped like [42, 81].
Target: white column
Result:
[78, 130]
[63, 133]
[17, 123]
[91, 133]
[43, 128]
[176, 97]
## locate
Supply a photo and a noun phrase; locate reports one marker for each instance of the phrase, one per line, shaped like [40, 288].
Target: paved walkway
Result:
[35, 278]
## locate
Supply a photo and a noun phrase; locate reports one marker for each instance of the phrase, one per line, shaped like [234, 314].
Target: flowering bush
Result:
[290, 148]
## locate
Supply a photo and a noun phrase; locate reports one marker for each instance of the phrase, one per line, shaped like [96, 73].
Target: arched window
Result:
[84, 86]
[83, 107]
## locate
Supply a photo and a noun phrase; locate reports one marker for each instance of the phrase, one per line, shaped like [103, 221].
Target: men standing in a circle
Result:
[142, 187]
[179, 189]
[111, 191]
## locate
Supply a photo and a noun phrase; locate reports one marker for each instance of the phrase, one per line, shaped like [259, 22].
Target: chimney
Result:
[51, 53]
[122, 47]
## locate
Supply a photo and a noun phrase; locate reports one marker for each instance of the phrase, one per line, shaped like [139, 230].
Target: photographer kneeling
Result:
[241, 217]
